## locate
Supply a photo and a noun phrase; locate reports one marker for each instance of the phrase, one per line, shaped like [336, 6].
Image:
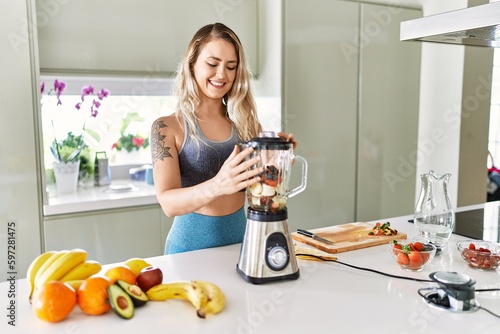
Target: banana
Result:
[82, 271]
[216, 298]
[61, 266]
[190, 291]
[34, 267]
[75, 284]
[47, 264]
[136, 264]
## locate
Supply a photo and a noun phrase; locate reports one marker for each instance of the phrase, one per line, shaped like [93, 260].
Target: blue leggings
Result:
[194, 231]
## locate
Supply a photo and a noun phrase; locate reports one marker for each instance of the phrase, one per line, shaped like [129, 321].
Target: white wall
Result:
[20, 200]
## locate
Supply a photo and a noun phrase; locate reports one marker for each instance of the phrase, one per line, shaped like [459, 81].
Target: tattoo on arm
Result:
[158, 148]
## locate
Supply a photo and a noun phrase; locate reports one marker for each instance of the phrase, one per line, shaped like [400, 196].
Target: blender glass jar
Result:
[277, 158]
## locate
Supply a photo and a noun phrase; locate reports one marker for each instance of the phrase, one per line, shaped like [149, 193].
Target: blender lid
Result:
[269, 140]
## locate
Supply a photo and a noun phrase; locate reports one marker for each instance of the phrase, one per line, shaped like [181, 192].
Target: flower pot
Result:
[66, 174]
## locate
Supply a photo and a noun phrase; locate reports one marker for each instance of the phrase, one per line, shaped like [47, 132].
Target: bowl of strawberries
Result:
[412, 255]
[480, 254]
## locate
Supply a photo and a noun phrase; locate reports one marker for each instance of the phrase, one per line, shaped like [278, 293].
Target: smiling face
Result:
[215, 69]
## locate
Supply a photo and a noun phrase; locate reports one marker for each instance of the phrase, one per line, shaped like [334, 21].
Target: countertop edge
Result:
[100, 198]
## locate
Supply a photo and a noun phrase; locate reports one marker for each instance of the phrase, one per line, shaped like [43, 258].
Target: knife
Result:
[314, 236]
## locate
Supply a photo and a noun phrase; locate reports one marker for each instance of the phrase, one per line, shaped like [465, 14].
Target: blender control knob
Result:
[278, 258]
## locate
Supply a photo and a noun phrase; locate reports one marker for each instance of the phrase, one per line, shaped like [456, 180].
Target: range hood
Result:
[476, 26]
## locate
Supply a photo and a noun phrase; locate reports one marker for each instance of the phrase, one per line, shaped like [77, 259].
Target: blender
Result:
[267, 252]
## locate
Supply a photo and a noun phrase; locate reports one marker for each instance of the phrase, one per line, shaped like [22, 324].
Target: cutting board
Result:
[347, 237]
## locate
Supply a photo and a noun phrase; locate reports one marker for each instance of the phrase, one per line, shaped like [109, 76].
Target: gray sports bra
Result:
[202, 162]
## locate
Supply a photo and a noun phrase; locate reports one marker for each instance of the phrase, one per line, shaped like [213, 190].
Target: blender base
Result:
[261, 280]
[267, 252]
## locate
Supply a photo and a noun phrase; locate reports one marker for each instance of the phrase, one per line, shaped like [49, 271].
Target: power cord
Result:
[366, 269]
[441, 302]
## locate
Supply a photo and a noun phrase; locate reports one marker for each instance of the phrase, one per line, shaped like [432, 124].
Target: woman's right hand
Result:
[235, 174]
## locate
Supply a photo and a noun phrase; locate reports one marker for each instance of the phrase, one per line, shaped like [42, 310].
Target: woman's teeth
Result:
[219, 84]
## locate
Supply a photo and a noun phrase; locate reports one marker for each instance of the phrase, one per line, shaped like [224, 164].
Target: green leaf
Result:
[55, 153]
[94, 134]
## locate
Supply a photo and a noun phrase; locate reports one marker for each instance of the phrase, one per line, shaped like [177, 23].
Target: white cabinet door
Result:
[147, 37]
[388, 115]
[320, 99]
[108, 236]
[351, 99]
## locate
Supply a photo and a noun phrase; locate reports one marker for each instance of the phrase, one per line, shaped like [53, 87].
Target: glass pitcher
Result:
[277, 158]
[434, 216]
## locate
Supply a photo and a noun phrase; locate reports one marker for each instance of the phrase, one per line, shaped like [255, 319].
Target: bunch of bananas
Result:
[205, 296]
[70, 266]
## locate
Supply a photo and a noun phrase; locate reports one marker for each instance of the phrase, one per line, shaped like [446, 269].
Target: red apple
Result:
[149, 277]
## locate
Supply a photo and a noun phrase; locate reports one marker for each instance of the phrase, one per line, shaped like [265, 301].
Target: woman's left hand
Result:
[290, 138]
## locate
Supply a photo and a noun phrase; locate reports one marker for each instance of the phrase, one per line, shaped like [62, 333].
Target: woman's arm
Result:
[234, 175]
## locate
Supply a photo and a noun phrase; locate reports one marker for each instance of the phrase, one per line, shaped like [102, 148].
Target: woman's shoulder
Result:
[173, 122]
[169, 129]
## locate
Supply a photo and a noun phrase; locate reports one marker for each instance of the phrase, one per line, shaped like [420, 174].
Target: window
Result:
[131, 108]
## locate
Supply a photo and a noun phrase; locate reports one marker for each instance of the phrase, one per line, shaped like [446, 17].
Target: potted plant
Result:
[71, 154]
[131, 140]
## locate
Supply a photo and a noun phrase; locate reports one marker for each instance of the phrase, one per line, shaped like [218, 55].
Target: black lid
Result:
[269, 140]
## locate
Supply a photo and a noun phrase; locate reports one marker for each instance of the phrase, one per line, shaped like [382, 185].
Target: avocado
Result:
[120, 301]
[139, 298]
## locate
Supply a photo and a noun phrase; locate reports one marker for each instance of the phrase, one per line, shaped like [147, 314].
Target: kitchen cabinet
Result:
[133, 37]
[108, 235]
[387, 115]
[351, 98]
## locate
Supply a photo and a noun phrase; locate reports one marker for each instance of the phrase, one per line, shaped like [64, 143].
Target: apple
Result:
[149, 277]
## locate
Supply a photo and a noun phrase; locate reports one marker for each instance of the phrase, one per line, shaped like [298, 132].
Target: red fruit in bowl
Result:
[418, 246]
[403, 259]
[416, 260]
[397, 249]
[149, 277]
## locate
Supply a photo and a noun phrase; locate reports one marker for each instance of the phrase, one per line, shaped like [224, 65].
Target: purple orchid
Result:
[103, 93]
[59, 87]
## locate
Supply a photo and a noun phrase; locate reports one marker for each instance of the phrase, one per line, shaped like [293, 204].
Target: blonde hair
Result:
[239, 102]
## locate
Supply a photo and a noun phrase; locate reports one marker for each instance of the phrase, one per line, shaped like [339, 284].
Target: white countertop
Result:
[92, 198]
[328, 297]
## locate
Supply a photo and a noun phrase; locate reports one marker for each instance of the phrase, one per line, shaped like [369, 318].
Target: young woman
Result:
[199, 171]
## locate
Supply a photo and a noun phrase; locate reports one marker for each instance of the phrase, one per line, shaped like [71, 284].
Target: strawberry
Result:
[425, 256]
[397, 248]
[416, 259]
[403, 259]
[271, 183]
[418, 246]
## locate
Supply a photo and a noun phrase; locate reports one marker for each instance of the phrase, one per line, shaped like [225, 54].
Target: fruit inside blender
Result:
[268, 195]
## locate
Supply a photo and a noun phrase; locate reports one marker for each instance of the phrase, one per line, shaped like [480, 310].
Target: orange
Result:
[53, 301]
[121, 272]
[93, 295]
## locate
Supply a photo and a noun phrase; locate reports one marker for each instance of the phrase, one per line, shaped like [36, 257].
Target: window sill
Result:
[100, 198]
